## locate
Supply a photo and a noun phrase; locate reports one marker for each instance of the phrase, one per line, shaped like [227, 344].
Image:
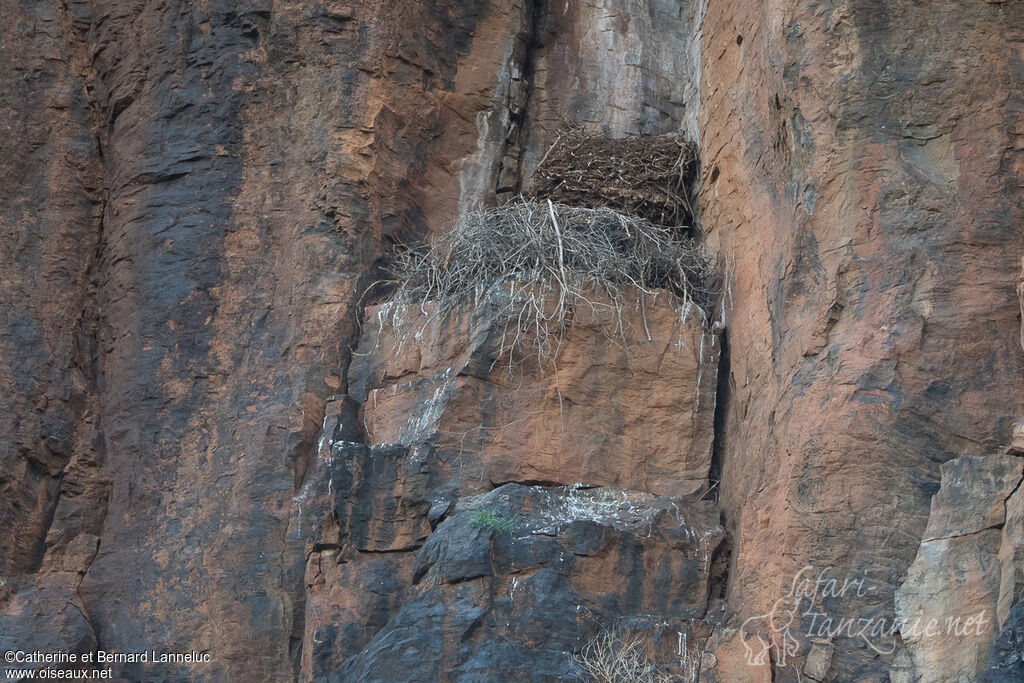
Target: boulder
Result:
[515, 593]
[948, 603]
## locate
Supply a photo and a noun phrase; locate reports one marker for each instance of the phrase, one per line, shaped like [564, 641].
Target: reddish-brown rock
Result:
[633, 408]
[368, 513]
[219, 180]
[196, 195]
[862, 178]
[731, 656]
[1011, 557]
[249, 163]
[52, 187]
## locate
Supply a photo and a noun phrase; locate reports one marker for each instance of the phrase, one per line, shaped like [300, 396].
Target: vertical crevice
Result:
[538, 18]
[722, 561]
[519, 125]
[347, 428]
[722, 395]
[86, 455]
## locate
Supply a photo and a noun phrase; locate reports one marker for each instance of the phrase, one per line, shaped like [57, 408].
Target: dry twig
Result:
[611, 657]
[538, 262]
[647, 177]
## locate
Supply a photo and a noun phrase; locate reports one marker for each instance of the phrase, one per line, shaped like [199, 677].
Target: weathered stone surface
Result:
[1007, 659]
[1020, 298]
[973, 495]
[948, 602]
[367, 513]
[634, 410]
[516, 604]
[621, 67]
[819, 660]
[50, 616]
[249, 162]
[196, 193]
[862, 176]
[1011, 557]
[359, 520]
[728, 657]
[1017, 443]
[51, 183]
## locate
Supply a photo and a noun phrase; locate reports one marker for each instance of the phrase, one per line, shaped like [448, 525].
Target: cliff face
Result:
[862, 177]
[197, 195]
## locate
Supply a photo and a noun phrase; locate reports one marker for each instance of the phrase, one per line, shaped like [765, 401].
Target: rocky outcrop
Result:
[516, 603]
[443, 409]
[948, 604]
[196, 197]
[476, 385]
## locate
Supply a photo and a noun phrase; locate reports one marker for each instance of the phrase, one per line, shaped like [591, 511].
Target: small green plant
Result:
[488, 519]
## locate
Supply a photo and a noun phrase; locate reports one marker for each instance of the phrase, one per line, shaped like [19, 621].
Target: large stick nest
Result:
[538, 260]
[647, 177]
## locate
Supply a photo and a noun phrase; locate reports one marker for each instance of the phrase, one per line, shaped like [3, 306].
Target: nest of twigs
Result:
[538, 260]
[647, 177]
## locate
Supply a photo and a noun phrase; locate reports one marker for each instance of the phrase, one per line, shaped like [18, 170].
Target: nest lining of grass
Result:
[537, 261]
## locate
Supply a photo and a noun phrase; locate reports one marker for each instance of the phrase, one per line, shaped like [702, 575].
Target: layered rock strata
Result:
[442, 411]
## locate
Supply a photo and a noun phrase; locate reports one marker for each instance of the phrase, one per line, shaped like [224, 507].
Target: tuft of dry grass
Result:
[538, 261]
[611, 657]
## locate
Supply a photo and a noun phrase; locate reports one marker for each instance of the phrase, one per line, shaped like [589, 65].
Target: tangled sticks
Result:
[647, 177]
[607, 224]
[537, 261]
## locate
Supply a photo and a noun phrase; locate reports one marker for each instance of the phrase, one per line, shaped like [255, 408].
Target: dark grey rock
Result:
[1006, 663]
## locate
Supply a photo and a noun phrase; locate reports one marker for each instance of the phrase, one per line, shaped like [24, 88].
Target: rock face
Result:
[621, 67]
[198, 193]
[49, 222]
[546, 416]
[196, 197]
[872, 323]
[516, 603]
[403, 585]
[1007, 662]
[948, 603]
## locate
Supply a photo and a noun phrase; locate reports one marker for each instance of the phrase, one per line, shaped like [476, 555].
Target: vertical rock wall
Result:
[220, 178]
[196, 195]
[623, 67]
[861, 181]
[49, 223]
